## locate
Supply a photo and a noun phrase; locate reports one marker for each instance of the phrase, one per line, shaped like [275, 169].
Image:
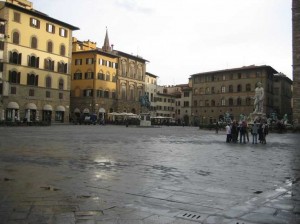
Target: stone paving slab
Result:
[114, 174]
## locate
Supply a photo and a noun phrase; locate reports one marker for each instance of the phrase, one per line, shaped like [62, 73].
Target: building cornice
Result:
[41, 15]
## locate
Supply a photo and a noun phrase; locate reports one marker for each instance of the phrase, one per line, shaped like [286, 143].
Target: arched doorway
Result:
[31, 112]
[59, 114]
[12, 112]
[101, 115]
[47, 113]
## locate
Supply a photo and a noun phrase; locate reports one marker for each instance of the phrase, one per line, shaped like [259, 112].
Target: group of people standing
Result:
[239, 132]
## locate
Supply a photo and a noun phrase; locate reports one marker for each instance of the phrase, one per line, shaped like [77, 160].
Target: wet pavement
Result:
[113, 174]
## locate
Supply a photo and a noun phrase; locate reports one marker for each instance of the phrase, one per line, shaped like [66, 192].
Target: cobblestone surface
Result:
[113, 174]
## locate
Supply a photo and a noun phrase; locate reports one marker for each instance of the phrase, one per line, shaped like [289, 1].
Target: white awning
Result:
[86, 111]
[101, 110]
[31, 106]
[76, 110]
[13, 105]
[47, 107]
[60, 108]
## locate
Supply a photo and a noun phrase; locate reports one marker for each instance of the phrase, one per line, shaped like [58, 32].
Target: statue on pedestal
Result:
[258, 104]
[259, 98]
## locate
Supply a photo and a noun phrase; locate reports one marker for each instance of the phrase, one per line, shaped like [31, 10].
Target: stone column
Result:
[296, 60]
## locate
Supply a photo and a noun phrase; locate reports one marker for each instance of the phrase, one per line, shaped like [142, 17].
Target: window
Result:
[32, 79]
[230, 88]
[212, 90]
[239, 88]
[113, 78]
[78, 61]
[49, 64]
[206, 103]
[89, 61]
[123, 91]
[34, 42]
[48, 94]
[61, 84]
[223, 89]
[248, 87]
[239, 75]
[34, 23]
[31, 92]
[186, 103]
[14, 77]
[213, 103]
[107, 77]
[77, 76]
[248, 101]
[131, 70]
[113, 95]
[48, 82]
[224, 77]
[13, 90]
[186, 94]
[62, 67]
[63, 32]
[106, 94]
[2, 45]
[195, 103]
[223, 102]
[50, 28]
[17, 17]
[101, 76]
[88, 92]
[123, 67]
[50, 47]
[239, 101]
[15, 58]
[100, 93]
[89, 75]
[207, 90]
[33, 61]
[62, 50]
[230, 102]
[16, 38]
[131, 93]
[60, 96]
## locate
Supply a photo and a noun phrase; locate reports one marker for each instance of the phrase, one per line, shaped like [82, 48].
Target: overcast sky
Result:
[183, 37]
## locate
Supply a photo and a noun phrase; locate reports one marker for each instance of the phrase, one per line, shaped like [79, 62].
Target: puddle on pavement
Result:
[50, 188]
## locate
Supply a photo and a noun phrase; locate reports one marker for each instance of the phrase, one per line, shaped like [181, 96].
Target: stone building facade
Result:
[93, 85]
[105, 80]
[296, 60]
[282, 96]
[36, 65]
[230, 91]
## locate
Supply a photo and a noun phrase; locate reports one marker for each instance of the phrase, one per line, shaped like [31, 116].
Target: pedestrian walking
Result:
[243, 132]
[247, 131]
[234, 132]
[217, 127]
[228, 133]
[254, 131]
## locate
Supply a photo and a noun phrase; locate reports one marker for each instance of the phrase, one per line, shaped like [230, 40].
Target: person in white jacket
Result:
[228, 133]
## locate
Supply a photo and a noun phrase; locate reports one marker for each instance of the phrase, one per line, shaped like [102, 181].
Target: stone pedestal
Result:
[145, 120]
[257, 116]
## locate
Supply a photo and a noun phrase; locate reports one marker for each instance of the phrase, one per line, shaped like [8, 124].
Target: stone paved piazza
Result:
[113, 174]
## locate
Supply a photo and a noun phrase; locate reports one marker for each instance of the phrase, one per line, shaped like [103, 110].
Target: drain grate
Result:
[190, 216]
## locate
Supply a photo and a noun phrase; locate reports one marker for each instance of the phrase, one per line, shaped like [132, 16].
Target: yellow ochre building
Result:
[36, 64]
